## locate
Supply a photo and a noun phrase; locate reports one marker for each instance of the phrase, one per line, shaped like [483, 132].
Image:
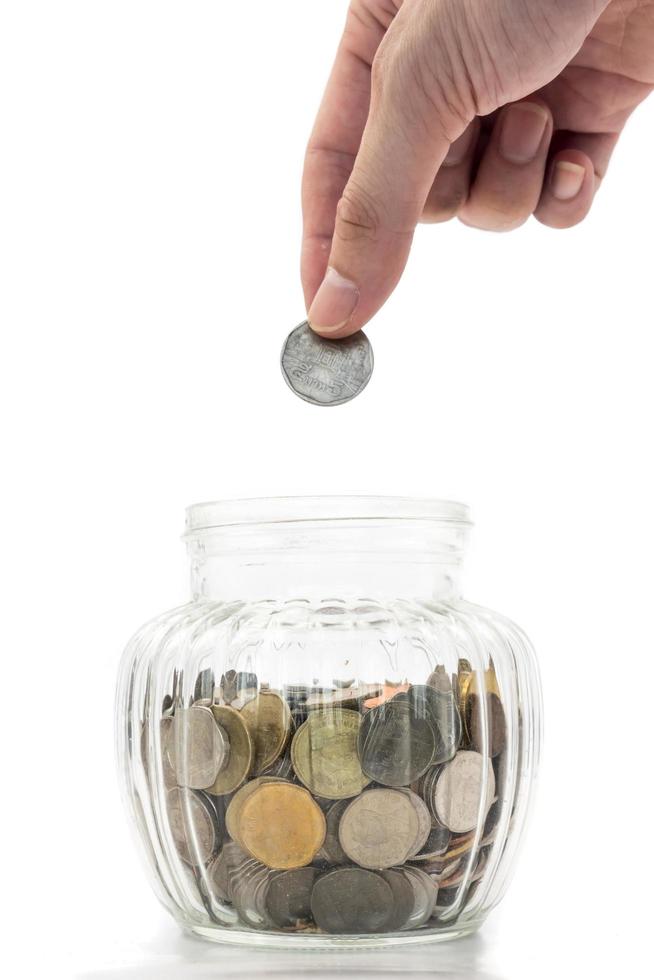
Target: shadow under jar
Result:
[328, 744]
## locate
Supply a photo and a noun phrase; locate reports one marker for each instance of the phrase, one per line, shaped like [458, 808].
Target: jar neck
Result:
[363, 558]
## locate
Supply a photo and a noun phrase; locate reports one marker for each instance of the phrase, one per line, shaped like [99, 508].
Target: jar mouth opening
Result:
[338, 508]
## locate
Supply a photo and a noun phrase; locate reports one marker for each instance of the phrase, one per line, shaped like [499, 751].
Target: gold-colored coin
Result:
[233, 812]
[325, 757]
[281, 825]
[241, 750]
[268, 718]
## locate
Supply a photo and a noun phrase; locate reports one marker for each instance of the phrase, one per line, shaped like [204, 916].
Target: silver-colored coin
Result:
[351, 900]
[403, 898]
[288, 897]
[424, 821]
[425, 893]
[201, 747]
[379, 828]
[458, 796]
[331, 851]
[191, 825]
[326, 372]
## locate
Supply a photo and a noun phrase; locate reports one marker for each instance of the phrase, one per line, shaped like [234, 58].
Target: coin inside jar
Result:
[458, 796]
[403, 898]
[241, 750]
[268, 719]
[396, 744]
[326, 372]
[495, 721]
[324, 754]
[351, 900]
[442, 711]
[201, 747]
[191, 825]
[233, 813]
[288, 898]
[281, 825]
[379, 828]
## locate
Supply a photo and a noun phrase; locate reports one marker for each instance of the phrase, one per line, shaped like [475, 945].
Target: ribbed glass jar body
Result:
[328, 744]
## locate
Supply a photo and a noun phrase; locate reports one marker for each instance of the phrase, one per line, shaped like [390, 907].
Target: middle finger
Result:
[509, 180]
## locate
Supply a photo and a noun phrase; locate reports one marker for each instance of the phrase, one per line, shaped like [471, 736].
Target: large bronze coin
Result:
[268, 718]
[241, 750]
[233, 813]
[288, 898]
[281, 825]
[351, 900]
[396, 745]
[325, 757]
[379, 828]
[458, 796]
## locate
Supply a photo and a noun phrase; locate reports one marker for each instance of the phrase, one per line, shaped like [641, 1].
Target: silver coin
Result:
[403, 899]
[351, 900]
[331, 851]
[288, 897]
[458, 793]
[201, 747]
[326, 372]
[424, 821]
[379, 828]
[191, 825]
[425, 894]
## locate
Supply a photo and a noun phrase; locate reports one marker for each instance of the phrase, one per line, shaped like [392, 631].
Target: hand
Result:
[399, 138]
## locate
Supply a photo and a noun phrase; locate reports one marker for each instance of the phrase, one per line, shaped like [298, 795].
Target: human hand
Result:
[399, 139]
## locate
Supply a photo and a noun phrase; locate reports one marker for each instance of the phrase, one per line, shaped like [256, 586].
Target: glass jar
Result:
[328, 744]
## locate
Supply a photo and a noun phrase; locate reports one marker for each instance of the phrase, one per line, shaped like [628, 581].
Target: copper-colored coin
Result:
[268, 718]
[346, 697]
[233, 813]
[325, 757]
[281, 825]
[241, 750]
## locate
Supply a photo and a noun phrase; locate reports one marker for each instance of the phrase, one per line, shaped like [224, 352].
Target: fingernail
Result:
[333, 304]
[459, 148]
[567, 180]
[523, 128]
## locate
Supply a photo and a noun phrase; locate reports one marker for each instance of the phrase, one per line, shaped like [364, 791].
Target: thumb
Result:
[402, 148]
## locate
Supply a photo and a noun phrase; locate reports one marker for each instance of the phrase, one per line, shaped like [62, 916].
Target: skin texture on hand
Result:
[485, 110]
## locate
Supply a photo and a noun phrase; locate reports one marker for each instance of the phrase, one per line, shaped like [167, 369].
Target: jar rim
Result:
[322, 508]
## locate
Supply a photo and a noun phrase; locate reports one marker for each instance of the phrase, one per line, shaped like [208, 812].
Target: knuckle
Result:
[357, 215]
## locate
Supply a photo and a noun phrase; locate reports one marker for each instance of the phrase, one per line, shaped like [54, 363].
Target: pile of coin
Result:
[349, 810]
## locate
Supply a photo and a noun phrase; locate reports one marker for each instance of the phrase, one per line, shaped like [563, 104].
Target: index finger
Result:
[334, 143]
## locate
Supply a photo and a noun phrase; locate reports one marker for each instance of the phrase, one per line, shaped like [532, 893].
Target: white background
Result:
[150, 243]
